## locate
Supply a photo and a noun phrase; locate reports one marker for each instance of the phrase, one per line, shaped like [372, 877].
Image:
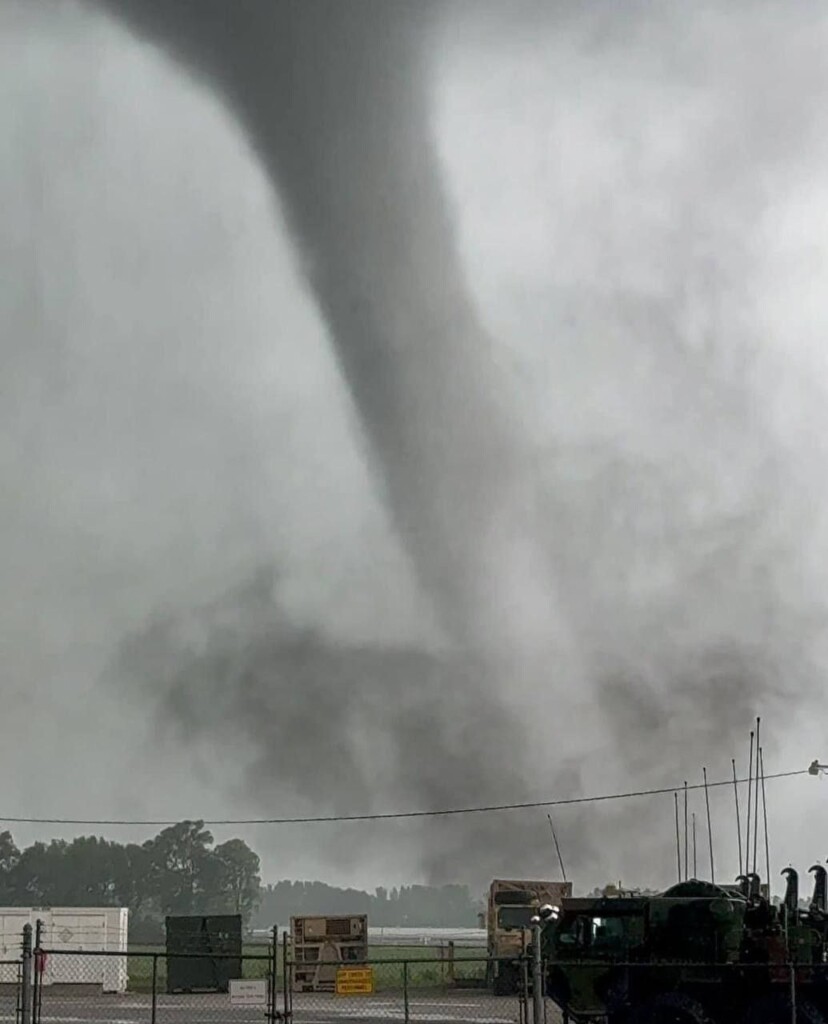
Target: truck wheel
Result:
[776, 1009]
[669, 1008]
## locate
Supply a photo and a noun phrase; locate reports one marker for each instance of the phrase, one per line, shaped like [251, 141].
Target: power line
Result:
[391, 815]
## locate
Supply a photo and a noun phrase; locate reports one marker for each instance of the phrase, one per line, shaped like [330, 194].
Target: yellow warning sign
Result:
[355, 981]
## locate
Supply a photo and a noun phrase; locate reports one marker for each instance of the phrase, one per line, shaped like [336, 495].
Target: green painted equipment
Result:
[696, 954]
[203, 953]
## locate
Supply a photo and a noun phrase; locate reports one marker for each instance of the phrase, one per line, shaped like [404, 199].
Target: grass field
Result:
[425, 968]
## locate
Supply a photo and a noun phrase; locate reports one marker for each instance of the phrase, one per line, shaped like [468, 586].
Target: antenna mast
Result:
[738, 816]
[709, 827]
[678, 840]
[756, 799]
[695, 864]
[765, 815]
[557, 848]
[686, 866]
[747, 831]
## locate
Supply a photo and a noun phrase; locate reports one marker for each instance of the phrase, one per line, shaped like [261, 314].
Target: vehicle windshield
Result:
[515, 917]
[584, 932]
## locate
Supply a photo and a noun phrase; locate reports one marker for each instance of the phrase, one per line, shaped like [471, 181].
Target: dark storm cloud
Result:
[660, 590]
[346, 728]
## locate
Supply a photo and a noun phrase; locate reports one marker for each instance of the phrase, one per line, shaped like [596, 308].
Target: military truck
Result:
[512, 905]
[697, 954]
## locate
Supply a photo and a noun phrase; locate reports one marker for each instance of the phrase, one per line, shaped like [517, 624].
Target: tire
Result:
[776, 1009]
[669, 1008]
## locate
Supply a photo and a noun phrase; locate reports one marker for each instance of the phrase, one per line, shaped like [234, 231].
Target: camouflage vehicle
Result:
[696, 954]
[512, 905]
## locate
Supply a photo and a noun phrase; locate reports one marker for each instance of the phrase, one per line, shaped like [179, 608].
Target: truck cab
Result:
[512, 905]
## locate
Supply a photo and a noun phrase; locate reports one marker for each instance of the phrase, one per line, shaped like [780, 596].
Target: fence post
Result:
[537, 973]
[26, 984]
[154, 1011]
[287, 977]
[793, 993]
[524, 991]
[405, 989]
[273, 971]
[39, 967]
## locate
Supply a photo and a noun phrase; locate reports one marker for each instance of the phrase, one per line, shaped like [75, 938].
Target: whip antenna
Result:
[756, 800]
[686, 866]
[695, 864]
[557, 848]
[709, 827]
[738, 816]
[765, 815]
[678, 840]
[750, 791]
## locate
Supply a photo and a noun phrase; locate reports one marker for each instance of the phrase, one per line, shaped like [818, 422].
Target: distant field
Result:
[425, 969]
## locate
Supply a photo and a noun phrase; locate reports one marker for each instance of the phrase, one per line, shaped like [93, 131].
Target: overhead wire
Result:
[386, 815]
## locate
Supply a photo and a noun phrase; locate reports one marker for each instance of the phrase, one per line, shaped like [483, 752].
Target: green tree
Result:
[132, 879]
[179, 867]
[37, 876]
[9, 857]
[235, 878]
[85, 872]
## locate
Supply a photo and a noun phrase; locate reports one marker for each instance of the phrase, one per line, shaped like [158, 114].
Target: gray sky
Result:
[640, 214]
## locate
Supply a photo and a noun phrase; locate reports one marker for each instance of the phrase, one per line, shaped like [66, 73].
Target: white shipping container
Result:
[81, 929]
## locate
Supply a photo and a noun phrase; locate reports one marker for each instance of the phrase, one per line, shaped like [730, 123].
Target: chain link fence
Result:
[91, 986]
[94, 986]
[11, 978]
[421, 988]
[98, 987]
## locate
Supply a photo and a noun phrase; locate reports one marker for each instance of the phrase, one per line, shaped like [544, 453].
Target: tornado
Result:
[676, 520]
[335, 100]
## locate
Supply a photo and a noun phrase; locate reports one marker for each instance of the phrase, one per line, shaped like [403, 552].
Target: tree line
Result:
[182, 871]
[178, 871]
[413, 906]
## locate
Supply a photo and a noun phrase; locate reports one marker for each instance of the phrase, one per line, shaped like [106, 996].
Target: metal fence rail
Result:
[136, 987]
[80, 986]
[424, 988]
[93, 987]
